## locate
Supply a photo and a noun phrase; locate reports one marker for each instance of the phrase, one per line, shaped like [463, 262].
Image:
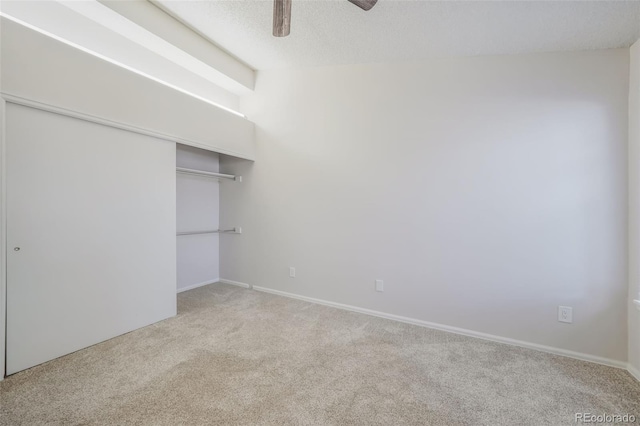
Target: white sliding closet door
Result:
[92, 210]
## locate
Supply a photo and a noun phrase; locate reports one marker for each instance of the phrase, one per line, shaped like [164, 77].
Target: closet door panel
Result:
[91, 216]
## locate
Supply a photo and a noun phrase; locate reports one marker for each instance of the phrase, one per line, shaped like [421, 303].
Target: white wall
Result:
[484, 191]
[634, 209]
[198, 209]
[3, 224]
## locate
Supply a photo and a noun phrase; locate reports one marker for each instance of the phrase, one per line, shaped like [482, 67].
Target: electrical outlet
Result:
[379, 285]
[565, 314]
[292, 272]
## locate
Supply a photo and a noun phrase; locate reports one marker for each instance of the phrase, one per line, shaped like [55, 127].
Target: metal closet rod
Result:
[186, 171]
[214, 231]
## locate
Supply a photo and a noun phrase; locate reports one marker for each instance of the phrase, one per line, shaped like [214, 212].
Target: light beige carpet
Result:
[240, 357]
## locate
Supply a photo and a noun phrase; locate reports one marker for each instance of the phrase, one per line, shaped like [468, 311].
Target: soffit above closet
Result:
[332, 32]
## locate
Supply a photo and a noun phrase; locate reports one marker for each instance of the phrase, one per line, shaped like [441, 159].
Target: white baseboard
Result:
[634, 372]
[450, 329]
[236, 283]
[191, 287]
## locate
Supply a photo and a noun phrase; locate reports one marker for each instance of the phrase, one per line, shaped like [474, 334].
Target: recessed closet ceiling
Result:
[329, 32]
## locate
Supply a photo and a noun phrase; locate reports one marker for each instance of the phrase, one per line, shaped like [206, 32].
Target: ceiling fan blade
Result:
[282, 18]
[364, 4]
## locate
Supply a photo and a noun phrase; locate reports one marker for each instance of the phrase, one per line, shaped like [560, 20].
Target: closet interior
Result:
[198, 226]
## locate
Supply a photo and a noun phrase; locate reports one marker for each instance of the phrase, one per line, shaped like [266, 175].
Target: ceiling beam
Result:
[101, 32]
[235, 76]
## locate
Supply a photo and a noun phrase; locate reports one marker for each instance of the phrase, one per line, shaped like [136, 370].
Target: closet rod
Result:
[209, 174]
[215, 231]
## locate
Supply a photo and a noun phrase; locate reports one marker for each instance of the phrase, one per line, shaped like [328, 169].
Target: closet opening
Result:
[198, 226]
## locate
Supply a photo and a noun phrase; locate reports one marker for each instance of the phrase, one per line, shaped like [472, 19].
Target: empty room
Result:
[319, 212]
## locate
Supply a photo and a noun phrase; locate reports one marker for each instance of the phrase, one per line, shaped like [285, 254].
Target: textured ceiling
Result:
[329, 32]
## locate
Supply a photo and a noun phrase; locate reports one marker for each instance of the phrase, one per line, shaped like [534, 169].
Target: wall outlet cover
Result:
[565, 314]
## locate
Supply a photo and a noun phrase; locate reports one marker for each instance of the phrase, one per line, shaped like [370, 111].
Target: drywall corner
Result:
[634, 207]
[3, 228]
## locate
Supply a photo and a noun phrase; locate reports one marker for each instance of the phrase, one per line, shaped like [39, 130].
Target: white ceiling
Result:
[330, 32]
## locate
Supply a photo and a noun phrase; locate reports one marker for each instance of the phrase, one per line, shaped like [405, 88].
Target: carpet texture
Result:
[239, 357]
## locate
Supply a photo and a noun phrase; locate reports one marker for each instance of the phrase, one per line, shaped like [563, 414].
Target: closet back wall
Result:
[484, 191]
[198, 207]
